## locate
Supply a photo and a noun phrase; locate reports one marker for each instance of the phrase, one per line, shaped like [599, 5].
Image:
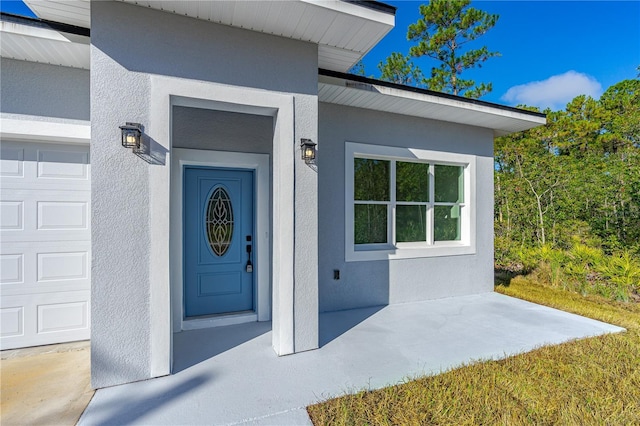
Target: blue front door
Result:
[218, 241]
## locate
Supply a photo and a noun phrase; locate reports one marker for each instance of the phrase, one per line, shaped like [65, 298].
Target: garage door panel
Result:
[11, 215]
[57, 317]
[12, 162]
[11, 268]
[12, 321]
[45, 267]
[67, 215]
[45, 215]
[33, 163]
[45, 318]
[56, 164]
[18, 321]
[45, 243]
[63, 266]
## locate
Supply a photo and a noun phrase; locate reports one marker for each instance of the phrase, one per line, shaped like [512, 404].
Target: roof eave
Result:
[37, 40]
[364, 92]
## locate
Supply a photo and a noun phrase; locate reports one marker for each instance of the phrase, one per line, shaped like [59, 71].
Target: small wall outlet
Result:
[336, 274]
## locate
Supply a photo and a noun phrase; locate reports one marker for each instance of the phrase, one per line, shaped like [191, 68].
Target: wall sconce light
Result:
[131, 135]
[308, 149]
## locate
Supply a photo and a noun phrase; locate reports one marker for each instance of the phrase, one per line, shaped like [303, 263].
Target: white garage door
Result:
[45, 248]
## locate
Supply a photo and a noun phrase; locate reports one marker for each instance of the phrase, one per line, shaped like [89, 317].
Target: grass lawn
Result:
[588, 381]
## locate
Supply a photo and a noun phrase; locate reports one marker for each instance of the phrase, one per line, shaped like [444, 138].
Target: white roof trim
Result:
[44, 131]
[29, 31]
[502, 120]
[355, 10]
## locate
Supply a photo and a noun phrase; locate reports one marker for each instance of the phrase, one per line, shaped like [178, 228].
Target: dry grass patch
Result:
[623, 314]
[590, 381]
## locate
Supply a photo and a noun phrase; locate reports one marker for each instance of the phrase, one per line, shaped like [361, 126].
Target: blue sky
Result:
[569, 48]
[551, 51]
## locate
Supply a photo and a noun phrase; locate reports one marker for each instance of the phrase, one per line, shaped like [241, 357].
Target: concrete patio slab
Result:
[231, 375]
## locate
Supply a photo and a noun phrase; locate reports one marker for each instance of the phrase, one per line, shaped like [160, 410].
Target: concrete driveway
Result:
[45, 385]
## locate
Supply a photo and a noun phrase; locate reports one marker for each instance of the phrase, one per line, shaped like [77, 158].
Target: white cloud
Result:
[554, 92]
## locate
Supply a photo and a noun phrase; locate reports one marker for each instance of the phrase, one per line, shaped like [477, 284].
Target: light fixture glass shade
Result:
[308, 149]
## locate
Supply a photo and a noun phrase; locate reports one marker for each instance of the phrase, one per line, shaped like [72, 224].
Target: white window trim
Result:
[467, 243]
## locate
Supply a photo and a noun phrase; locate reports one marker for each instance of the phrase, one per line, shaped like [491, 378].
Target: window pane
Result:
[412, 181]
[411, 223]
[371, 179]
[447, 223]
[370, 223]
[449, 184]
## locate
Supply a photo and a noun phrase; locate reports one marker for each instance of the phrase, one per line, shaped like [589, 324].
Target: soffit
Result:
[344, 31]
[502, 120]
[72, 12]
[33, 44]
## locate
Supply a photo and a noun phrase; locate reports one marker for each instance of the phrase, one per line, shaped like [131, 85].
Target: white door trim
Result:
[259, 163]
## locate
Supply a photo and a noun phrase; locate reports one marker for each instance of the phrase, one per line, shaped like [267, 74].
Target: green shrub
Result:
[622, 271]
[583, 268]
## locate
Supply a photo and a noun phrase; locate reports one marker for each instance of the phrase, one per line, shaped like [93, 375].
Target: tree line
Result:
[578, 177]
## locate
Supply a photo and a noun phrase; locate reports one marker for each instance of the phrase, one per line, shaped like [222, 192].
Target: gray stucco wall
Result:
[129, 44]
[370, 283]
[34, 89]
[150, 41]
[198, 128]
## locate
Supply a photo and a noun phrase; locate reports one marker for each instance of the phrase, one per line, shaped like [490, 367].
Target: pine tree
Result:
[443, 31]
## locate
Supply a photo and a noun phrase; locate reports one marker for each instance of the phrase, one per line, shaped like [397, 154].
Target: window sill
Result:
[386, 252]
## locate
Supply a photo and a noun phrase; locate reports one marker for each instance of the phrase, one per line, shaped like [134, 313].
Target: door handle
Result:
[249, 267]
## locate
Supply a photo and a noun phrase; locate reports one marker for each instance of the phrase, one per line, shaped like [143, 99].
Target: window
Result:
[407, 203]
[413, 199]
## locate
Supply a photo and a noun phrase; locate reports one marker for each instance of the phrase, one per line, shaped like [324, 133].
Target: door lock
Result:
[249, 267]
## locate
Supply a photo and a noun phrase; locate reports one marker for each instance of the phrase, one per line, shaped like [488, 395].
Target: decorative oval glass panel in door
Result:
[219, 221]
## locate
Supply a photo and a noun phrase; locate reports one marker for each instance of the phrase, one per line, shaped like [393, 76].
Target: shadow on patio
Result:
[335, 324]
[194, 346]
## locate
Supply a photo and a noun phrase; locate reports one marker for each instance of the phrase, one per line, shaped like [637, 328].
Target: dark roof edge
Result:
[374, 5]
[367, 80]
[43, 23]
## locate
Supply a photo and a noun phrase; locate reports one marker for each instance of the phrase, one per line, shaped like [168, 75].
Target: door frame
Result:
[223, 177]
[259, 164]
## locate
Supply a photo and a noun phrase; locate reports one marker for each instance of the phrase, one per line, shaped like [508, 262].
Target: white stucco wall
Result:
[370, 283]
[132, 45]
[41, 90]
